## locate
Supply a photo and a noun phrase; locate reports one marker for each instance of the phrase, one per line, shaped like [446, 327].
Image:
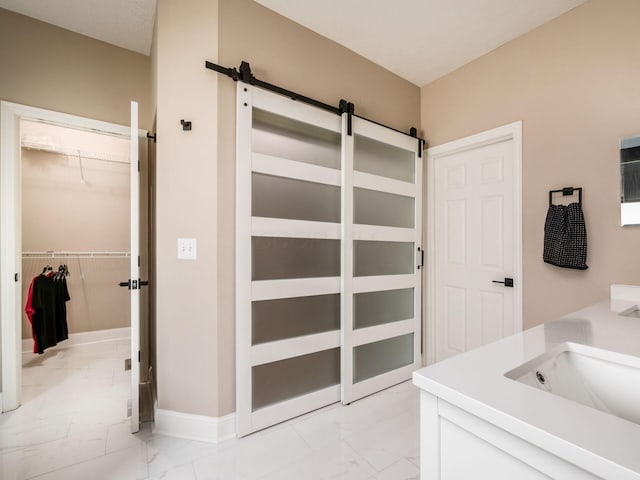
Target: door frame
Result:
[11, 231]
[513, 132]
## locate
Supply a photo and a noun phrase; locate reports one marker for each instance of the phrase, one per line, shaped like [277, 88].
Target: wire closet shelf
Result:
[55, 254]
[76, 153]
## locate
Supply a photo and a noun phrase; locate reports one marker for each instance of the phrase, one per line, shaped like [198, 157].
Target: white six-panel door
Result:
[475, 235]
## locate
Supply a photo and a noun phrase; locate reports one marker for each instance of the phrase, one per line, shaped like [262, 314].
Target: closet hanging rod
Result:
[244, 74]
[71, 152]
[54, 254]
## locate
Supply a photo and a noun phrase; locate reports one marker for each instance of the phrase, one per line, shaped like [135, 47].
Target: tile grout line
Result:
[357, 452]
[64, 467]
[59, 364]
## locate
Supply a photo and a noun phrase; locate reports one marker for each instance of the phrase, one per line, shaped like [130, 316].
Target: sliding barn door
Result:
[381, 299]
[288, 268]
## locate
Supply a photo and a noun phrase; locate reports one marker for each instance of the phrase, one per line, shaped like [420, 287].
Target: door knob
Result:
[508, 282]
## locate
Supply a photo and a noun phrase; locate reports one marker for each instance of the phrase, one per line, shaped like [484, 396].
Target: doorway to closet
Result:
[79, 191]
[75, 213]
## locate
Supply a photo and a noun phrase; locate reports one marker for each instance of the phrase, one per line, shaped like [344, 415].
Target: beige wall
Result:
[52, 68]
[289, 55]
[574, 83]
[153, 61]
[49, 67]
[186, 179]
[61, 213]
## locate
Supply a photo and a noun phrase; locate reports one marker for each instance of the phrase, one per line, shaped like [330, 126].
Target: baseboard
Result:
[1, 409]
[195, 427]
[83, 338]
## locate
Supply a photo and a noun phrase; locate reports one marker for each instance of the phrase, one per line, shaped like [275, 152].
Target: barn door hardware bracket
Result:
[350, 109]
[244, 74]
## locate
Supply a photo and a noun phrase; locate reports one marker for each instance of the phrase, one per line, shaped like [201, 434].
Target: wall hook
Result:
[185, 125]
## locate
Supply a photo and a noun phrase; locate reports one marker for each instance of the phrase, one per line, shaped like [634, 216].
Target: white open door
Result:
[381, 257]
[134, 279]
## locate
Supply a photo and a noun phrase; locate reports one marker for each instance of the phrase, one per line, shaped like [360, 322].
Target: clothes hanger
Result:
[64, 271]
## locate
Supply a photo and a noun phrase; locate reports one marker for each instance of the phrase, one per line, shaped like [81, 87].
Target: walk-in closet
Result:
[75, 212]
[75, 218]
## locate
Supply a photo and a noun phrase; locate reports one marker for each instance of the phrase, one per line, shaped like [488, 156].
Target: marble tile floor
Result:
[73, 426]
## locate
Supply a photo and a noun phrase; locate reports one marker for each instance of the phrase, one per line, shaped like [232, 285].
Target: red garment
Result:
[30, 311]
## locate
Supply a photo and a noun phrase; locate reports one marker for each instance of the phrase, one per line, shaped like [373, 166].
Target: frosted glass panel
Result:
[377, 308]
[279, 197]
[286, 379]
[377, 158]
[294, 317]
[277, 258]
[380, 357]
[286, 138]
[379, 208]
[382, 258]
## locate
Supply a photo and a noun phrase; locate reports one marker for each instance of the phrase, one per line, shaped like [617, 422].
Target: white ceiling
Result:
[419, 40]
[124, 23]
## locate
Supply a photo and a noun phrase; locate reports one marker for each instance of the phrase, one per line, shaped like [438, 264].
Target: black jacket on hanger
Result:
[49, 303]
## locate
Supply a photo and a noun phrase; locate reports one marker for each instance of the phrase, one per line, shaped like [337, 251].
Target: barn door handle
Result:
[508, 282]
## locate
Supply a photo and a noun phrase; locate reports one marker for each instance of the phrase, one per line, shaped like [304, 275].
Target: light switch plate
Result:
[187, 248]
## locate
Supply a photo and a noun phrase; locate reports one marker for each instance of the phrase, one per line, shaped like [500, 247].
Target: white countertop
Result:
[601, 443]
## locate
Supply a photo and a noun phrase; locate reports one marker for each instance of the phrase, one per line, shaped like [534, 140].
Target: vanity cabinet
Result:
[478, 420]
[456, 445]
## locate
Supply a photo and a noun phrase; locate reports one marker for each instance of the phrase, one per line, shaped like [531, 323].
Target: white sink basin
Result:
[597, 378]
